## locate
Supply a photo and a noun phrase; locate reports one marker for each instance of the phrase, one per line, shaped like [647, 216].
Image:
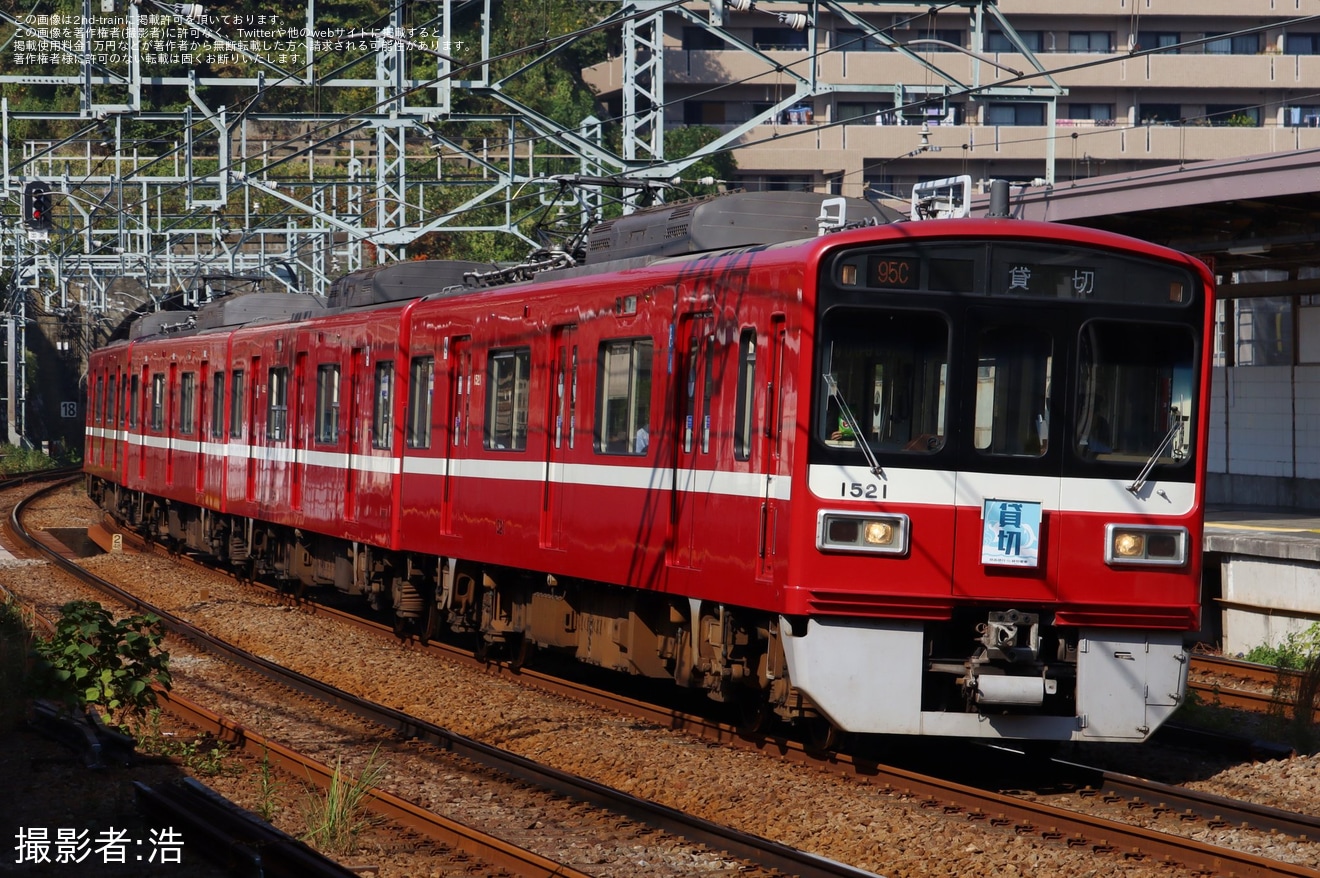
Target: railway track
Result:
[980, 805]
[1262, 683]
[760, 853]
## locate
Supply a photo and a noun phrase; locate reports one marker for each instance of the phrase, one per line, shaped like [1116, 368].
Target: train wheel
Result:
[520, 652]
[754, 713]
[433, 620]
[821, 733]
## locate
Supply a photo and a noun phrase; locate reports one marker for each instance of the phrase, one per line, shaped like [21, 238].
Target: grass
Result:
[336, 818]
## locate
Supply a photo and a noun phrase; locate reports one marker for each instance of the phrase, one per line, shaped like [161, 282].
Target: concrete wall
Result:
[1265, 436]
[1266, 600]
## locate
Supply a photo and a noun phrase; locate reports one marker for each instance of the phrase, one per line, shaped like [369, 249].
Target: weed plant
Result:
[336, 818]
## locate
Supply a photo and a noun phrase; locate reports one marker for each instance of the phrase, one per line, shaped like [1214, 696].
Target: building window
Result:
[997, 41]
[1159, 40]
[1095, 112]
[327, 403]
[1302, 117]
[853, 39]
[1242, 44]
[1259, 331]
[1015, 114]
[863, 112]
[236, 407]
[158, 402]
[703, 112]
[778, 39]
[382, 407]
[1155, 114]
[508, 375]
[421, 385]
[623, 412]
[1090, 41]
[1230, 116]
[277, 405]
[1301, 44]
[787, 184]
[698, 39]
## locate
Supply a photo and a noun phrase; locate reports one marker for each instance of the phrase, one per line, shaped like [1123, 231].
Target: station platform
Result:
[1269, 574]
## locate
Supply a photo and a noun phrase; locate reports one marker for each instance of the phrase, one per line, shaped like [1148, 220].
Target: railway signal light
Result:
[36, 206]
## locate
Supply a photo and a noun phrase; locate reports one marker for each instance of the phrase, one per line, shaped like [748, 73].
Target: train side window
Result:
[421, 385]
[746, 401]
[125, 413]
[98, 400]
[707, 394]
[111, 401]
[1013, 391]
[133, 402]
[382, 415]
[277, 404]
[327, 403]
[188, 403]
[218, 405]
[508, 376]
[623, 410]
[236, 407]
[158, 402]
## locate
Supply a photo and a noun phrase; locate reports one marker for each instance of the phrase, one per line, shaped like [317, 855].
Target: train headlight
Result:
[1160, 546]
[850, 532]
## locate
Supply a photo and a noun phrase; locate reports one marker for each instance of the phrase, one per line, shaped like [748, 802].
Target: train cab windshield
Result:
[1074, 371]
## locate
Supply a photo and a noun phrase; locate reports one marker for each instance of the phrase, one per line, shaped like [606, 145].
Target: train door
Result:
[1008, 493]
[121, 424]
[356, 369]
[460, 413]
[202, 424]
[253, 434]
[563, 425]
[693, 384]
[166, 394]
[297, 441]
[771, 444]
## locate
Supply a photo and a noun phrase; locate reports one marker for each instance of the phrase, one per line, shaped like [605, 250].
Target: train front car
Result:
[1002, 521]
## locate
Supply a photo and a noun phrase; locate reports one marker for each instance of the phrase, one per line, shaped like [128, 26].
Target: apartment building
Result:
[870, 98]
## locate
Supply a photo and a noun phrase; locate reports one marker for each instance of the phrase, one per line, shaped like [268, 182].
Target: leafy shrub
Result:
[1294, 652]
[94, 661]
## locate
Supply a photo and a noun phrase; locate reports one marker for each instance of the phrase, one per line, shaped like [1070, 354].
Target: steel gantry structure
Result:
[242, 194]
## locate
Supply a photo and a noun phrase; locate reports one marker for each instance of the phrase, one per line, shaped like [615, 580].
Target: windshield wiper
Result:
[1140, 481]
[833, 387]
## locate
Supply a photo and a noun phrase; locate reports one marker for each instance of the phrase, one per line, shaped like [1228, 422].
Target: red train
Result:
[940, 477]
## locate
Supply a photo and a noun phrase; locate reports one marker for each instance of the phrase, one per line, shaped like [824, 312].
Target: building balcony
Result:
[787, 148]
[865, 70]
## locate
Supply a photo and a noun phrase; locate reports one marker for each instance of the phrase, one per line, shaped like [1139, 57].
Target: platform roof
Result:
[1240, 215]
